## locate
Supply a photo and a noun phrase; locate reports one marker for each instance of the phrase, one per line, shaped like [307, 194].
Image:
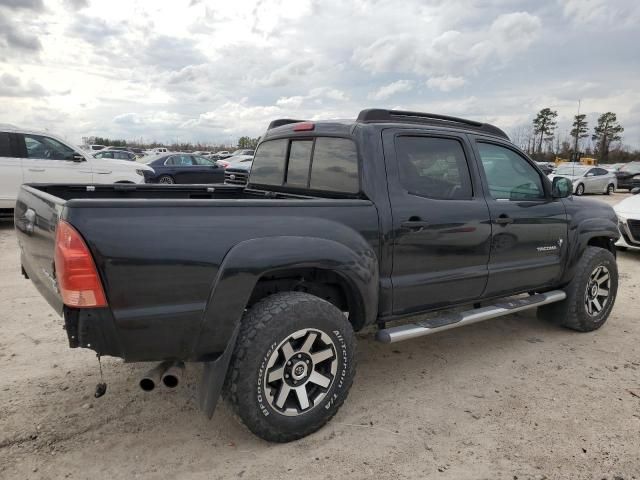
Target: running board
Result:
[448, 321]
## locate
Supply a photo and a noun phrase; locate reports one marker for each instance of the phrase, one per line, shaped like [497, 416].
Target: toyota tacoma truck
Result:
[342, 225]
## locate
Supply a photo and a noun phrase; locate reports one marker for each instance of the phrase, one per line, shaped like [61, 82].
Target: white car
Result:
[628, 212]
[38, 157]
[587, 179]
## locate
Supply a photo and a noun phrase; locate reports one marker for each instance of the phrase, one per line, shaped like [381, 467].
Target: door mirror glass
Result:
[76, 157]
[561, 187]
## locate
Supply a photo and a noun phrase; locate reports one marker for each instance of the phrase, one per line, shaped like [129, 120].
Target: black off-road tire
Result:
[572, 312]
[265, 328]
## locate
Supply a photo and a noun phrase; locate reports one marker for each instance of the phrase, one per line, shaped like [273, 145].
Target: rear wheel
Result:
[610, 189]
[590, 295]
[580, 189]
[166, 179]
[292, 367]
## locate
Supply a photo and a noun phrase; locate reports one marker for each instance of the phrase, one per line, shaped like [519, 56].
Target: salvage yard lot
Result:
[509, 397]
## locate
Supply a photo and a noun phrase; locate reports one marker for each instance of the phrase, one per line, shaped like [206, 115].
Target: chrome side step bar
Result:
[447, 321]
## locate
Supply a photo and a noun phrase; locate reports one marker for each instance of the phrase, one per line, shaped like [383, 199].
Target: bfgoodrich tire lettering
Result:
[596, 274]
[292, 367]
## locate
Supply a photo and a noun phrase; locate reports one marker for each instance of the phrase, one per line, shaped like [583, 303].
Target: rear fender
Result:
[248, 261]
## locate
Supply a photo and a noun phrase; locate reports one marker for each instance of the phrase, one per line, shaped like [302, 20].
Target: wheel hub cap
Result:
[596, 296]
[300, 372]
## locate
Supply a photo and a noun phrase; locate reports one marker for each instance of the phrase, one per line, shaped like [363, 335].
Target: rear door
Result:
[529, 236]
[10, 170]
[441, 223]
[46, 160]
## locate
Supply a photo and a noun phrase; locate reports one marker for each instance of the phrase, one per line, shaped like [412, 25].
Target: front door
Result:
[529, 236]
[46, 160]
[441, 226]
[208, 171]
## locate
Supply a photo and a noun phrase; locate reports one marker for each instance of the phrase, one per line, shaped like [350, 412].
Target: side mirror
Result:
[561, 187]
[589, 174]
[76, 157]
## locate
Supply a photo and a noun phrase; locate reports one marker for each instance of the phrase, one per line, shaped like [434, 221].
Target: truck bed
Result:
[161, 252]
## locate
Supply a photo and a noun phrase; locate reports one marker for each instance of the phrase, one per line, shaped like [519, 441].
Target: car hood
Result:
[570, 177]
[629, 206]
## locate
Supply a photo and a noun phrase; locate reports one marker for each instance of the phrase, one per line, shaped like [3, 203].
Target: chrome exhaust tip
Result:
[173, 375]
[152, 378]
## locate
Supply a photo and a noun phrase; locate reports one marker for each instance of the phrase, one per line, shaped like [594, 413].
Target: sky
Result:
[211, 71]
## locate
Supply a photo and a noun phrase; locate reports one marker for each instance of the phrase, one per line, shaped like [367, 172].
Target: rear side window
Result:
[324, 163]
[335, 165]
[5, 146]
[433, 167]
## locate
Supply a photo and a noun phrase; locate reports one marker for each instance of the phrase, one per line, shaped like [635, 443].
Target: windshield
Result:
[571, 170]
[630, 168]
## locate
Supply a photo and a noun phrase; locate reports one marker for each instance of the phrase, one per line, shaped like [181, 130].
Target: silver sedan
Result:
[587, 179]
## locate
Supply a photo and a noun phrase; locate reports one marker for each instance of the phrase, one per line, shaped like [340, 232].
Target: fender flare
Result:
[248, 261]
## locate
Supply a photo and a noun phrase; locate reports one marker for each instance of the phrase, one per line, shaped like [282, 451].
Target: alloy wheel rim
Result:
[300, 372]
[166, 180]
[596, 296]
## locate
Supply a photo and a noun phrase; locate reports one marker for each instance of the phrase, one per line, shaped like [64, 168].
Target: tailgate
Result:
[36, 217]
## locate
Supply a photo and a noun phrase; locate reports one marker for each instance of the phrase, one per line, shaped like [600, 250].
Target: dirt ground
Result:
[511, 398]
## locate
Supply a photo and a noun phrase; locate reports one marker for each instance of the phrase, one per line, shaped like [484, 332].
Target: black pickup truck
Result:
[343, 224]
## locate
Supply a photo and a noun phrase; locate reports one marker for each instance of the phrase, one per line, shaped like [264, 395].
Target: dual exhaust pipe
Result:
[168, 372]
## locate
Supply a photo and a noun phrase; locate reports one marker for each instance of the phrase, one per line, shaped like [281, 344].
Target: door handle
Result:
[504, 220]
[36, 169]
[414, 225]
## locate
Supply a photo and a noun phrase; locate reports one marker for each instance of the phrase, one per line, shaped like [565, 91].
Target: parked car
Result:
[184, 168]
[243, 152]
[546, 167]
[160, 150]
[237, 172]
[628, 212]
[628, 176]
[343, 225]
[587, 179]
[117, 154]
[28, 156]
[95, 147]
[612, 167]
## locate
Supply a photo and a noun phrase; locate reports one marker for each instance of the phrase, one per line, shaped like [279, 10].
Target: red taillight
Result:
[303, 127]
[76, 273]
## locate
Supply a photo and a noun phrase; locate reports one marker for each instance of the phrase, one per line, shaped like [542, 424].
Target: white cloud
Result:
[392, 89]
[445, 83]
[207, 70]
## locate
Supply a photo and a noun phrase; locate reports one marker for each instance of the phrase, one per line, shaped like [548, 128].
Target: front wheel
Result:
[610, 189]
[293, 366]
[590, 294]
[580, 189]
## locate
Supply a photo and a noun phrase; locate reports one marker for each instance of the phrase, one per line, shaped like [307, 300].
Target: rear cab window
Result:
[323, 164]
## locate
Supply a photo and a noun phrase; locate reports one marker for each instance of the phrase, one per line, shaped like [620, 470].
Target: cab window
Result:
[46, 148]
[509, 175]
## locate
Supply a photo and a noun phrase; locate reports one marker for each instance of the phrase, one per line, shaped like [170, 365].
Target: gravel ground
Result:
[511, 398]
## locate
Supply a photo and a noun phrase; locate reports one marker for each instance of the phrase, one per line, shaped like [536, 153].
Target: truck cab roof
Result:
[384, 118]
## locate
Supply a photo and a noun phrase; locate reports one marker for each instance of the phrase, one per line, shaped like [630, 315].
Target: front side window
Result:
[433, 167]
[104, 155]
[509, 175]
[268, 164]
[41, 147]
[203, 162]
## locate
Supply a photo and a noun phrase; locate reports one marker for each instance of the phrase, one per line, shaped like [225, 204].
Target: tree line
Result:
[244, 142]
[542, 141]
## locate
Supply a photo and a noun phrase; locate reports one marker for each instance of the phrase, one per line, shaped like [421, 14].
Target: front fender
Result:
[582, 234]
[249, 260]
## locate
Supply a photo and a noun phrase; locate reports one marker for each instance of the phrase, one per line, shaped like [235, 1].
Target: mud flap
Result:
[213, 376]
